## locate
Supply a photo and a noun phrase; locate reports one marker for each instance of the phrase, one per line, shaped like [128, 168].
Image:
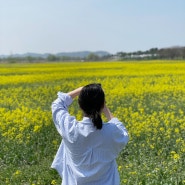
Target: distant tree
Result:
[29, 59]
[153, 50]
[65, 58]
[139, 53]
[13, 59]
[170, 53]
[92, 57]
[183, 52]
[122, 54]
[52, 58]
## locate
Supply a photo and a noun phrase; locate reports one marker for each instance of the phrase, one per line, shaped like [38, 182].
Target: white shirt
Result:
[86, 156]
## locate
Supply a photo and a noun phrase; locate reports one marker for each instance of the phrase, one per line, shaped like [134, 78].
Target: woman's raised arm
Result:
[75, 92]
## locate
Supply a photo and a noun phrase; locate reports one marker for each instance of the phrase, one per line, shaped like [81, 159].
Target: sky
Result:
[53, 26]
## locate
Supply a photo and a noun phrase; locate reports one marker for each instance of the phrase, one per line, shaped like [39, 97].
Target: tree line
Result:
[154, 53]
[55, 58]
[151, 54]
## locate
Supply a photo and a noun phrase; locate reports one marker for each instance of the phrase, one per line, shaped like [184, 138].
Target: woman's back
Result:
[87, 155]
[90, 153]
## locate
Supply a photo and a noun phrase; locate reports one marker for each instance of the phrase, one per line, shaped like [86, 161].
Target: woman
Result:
[87, 154]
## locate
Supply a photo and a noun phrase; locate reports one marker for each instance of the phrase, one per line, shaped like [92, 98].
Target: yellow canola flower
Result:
[120, 168]
[174, 155]
[14, 123]
[18, 172]
[53, 182]
[36, 128]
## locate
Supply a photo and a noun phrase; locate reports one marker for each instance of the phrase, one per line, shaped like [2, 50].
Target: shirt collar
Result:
[86, 120]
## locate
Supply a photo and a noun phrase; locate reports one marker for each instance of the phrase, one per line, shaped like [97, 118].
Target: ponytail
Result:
[91, 100]
[96, 119]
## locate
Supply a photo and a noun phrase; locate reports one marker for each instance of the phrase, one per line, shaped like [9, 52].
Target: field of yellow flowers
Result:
[148, 96]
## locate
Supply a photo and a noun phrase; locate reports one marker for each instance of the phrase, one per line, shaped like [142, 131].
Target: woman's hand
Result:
[107, 113]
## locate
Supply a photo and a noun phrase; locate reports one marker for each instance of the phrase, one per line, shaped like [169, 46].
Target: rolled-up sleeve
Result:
[120, 135]
[61, 117]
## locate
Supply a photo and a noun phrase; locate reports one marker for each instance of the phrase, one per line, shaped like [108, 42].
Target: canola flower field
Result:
[147, 96]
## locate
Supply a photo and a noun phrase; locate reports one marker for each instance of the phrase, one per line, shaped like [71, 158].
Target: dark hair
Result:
[91, 100]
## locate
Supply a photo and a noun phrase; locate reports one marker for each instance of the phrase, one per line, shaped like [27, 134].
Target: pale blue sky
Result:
[76, 25]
